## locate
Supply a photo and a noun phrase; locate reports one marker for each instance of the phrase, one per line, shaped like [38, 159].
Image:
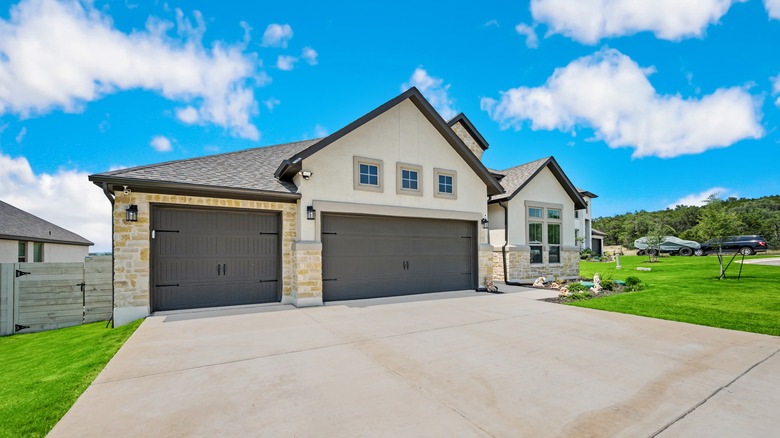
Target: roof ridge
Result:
[524, 164]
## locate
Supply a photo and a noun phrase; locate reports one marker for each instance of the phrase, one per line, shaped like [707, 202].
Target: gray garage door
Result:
[208, 258]
[370, 256]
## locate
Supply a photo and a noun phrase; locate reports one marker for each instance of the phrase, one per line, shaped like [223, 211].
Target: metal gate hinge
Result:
[20, 273]
[18, 327]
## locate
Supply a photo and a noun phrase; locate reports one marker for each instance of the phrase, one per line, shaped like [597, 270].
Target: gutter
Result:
[110, 197]
[506, 243]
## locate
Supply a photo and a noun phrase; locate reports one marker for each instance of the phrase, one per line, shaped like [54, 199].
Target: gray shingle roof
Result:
[251, 169]
[19, 225]
[516, 177]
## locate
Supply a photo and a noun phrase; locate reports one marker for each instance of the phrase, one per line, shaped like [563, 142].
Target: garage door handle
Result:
[224, 269]
[218, 269]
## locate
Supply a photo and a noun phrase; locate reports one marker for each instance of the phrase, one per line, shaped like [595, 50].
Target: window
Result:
[367, 174]
[545, 232]
[576, 214]
[38, 252]
[22, 252]
[445, 183]
[408, 179]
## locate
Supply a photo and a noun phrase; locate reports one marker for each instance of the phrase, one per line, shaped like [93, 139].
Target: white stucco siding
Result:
[52, 252]
[497, 226]
[400, 135]
[543, 188]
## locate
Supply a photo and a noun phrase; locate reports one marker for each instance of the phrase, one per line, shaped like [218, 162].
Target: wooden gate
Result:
[45, 296]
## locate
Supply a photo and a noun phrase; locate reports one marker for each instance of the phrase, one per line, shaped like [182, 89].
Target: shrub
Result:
[608, 285]
[577, 287]
[632, 281]
[579, 296]
[585, 254]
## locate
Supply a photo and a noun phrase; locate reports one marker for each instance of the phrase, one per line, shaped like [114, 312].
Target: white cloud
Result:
[21, 134]
[610, 93]
[271, 103]
[588, 21]
[286, 63]
[161, 144]
[277, 35]
[531, 40]
[697, 199]
[491, 23]
[188, 115]
[773, 8]
[776, 88]
[320, 131]
[65, 198]
[434, 90]
[63, 55]
[309, 55]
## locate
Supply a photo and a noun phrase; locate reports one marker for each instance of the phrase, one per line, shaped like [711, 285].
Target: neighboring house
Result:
[27, 238]
[597, 242]
[583, 233]
[532, 223]
[394, 203]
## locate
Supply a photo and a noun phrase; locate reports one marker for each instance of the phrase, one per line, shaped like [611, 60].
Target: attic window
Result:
[367, 174]
[445, 183]
[408, 179]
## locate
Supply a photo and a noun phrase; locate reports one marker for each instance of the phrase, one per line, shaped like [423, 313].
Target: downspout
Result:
[113, 271]
[506, 242]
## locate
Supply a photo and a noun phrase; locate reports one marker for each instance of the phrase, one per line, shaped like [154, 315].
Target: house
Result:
[27, 238]
[532, 223]
[393, 203]
[582, 221]
[597, 242]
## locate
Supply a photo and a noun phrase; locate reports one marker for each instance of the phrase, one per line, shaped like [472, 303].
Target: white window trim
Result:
[544, 220]
[356, 162]
[399, 168]
[436, 192]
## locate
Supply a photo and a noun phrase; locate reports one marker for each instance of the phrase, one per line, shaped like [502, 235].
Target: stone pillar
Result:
[307, 275]
[485, 264]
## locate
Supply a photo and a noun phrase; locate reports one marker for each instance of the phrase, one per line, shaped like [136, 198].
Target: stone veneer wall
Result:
[464, 135]
[131, 242]
[307, 277]
[485, 264]
[520, 269]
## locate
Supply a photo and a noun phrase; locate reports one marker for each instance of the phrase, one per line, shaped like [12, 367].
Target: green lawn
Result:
[42, 374]
[687, 289]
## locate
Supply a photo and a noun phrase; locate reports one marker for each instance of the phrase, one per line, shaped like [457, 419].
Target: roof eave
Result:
[168, 187]
[45, 240]
[563, 180]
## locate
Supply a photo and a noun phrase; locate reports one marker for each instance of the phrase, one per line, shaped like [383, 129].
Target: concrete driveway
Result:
[449, 364]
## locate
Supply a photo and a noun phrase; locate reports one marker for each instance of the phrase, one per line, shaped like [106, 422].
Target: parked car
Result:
[745, 245]
[669, 244]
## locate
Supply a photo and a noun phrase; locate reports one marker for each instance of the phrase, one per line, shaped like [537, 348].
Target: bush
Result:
[633, 281]
[586, 253]
[577, 287]
[579, 296]
[608, 285]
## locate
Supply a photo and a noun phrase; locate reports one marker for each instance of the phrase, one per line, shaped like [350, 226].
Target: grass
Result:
[687, 289]
[42, 374]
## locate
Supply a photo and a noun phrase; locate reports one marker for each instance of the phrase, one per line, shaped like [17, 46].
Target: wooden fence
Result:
[45, 296]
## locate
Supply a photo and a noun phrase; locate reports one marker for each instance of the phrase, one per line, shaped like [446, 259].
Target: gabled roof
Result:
[291, 166]
[243, 173]
[16, 224]
[517, 177]
[590, 195]
[596, 232]
[470, 128]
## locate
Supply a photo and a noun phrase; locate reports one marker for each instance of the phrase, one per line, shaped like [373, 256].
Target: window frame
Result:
[445, 172]
[399, 187]
[22, 252]
[38, 252]
[357, 185]
[545, 220]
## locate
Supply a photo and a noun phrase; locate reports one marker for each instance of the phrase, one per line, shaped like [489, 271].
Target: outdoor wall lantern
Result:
[485, 223]
[132, 213]
[310, 213]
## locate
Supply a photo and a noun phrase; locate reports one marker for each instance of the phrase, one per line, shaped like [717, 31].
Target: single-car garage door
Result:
[209, 258]
[373, 256]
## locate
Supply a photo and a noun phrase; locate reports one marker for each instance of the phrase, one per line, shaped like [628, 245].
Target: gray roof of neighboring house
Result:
[587, 193]
[515, 178]
[16, 224]
[596, 232]
[251, 169]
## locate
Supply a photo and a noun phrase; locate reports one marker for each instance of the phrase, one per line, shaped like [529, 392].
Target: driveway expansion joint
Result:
[713, 394]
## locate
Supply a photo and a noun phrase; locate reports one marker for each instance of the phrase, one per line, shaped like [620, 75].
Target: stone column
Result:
[307, 275]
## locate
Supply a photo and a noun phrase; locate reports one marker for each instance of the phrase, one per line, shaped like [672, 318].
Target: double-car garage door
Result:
[376, 256]
[209, 258]
[220, 257]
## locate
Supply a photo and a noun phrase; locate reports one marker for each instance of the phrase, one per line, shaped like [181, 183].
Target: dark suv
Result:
[746, 245]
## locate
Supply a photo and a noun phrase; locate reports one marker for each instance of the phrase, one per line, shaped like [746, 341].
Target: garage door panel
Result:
[370, 256]
[206, 258]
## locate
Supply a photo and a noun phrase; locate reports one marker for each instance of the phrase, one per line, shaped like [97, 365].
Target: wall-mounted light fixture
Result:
[132, 213]
[485, 223]
[310, 213]
[306, 174]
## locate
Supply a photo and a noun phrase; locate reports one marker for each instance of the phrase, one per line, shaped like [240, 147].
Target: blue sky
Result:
[647, 104]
